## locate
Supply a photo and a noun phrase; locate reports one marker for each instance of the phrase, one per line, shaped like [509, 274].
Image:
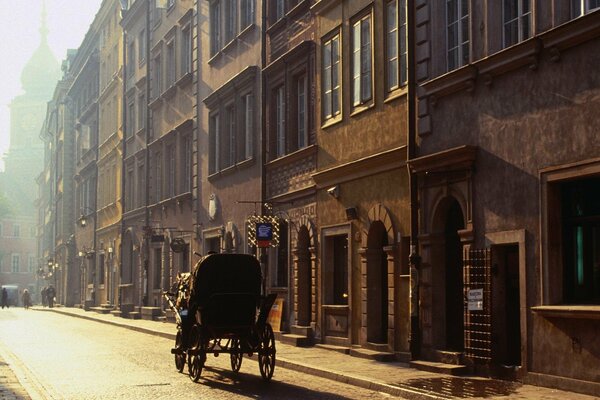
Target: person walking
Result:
[50, 293]
[26, 299]
[44, 298]
[4, 298]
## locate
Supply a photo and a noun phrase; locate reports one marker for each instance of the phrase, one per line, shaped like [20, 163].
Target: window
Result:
[581, 240]
[457, 33]
[16, 230]
[158, 177]
[301, 111]
[230, 20]
[339, 250]
[171, 67]
[246, 13]
[228, 138]
[156, 77]
[130, 120]
[141, 185]
[361, 61]
[16, 259]
[131, 59]
[396, 56]
[101, 264]
[245, 131]
[279, 9]
[31, 263]
[215, 27]
[331, 77]
[186, 50]
[142, 46]
[157, 268]
[517, 21]
[581, 7]
[170, 3]
[141, 111]
[171, 170]
[129, 201]
[186, 164]
[213, 137]
[280, 120]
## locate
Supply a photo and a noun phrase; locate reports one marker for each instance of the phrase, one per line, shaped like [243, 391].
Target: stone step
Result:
[331, 347]
[101, 310]
[440, 368]
[382, 356]
[450, 357]
[133, 315]
[295, 340]
[116, 313]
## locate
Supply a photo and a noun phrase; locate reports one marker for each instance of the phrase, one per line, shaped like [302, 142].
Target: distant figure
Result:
[50, 293]
[26, 299]
[4, 298]
[44, 298]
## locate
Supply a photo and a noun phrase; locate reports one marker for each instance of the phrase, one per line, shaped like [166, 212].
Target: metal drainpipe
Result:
[414, 257]
[262, 253]
[123, 165]
[147, 157]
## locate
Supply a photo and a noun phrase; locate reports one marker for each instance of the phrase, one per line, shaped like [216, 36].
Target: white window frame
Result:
[247, 120]
[215, 27]
[361, 63]
[246, 13]
[186, 49]
[582, 7]
[331, 76]
[214, 133]
[230, 135]
[279, 9]
[461, 43]
[280, 121]
[519, 20]
[396, 45]
[230, 27]
[15, 263]
[171, 63]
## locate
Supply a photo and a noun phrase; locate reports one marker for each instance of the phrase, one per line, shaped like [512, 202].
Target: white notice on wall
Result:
[475, 300]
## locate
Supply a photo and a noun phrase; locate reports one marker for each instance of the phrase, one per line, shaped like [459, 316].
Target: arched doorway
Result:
[128, 268]
[303, 317]
[453, 262]
[377, 284]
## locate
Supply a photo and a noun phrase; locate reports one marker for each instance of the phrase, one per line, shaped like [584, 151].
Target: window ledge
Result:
[213, 59]
[170, 92]
[332, 121]
[155, 103]
[362, 108]
[398, 93]
[568, 311]
[185, 80]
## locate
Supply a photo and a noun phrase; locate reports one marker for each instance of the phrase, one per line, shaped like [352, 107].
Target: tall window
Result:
[245, 140]
[302, 114]
[158, 177]
[228, 138]
[246, 13]
[171, 170]
[131, 120]
[31, 263]
[186, 50]
[16, 260]
[331, 77]
[214, 139]
[141, 185]
[581, 240]
[517, 21]
[361, 60]
[215, 27]
[157, 268]
[396, 57]
[171, 64]
[130, 200]
[16, 230]
[141, 111]
[156, 76]
[340, 269]
[457, 33]
[280, 120]
[131, 59]
[186, 164]
[581, 7]
[142, 46]
[230, 20]
[279, 9]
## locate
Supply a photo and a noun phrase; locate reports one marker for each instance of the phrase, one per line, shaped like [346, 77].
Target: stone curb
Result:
[353, 380]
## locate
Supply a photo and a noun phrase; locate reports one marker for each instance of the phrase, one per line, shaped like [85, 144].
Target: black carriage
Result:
[223, 313]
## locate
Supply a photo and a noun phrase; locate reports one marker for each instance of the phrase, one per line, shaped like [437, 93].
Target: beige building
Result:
[362, 178]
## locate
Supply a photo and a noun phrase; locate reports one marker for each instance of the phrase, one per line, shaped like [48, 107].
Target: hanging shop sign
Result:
[475, 300]
[264, 234]
[263, 231]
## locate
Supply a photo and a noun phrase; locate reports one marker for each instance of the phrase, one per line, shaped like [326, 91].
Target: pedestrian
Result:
[44, 298]
[4, 298]
[26, 299]
[50, 293]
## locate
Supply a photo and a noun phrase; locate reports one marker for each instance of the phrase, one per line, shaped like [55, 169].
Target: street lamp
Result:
[83, 217]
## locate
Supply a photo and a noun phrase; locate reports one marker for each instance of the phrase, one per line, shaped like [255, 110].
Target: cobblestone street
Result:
[59, 357]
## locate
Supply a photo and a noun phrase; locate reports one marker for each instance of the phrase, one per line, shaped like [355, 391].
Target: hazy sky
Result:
[68, 21]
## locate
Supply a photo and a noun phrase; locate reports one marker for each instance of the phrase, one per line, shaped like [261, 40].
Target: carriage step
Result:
[440, 368]
[373, 355]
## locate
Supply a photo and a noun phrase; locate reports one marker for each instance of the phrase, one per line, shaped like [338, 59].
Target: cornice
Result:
[304, 47]
[462, 157]
[240, 80]
[322, 6]
[361, 168]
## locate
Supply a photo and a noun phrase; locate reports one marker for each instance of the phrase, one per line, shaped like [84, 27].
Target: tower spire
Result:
[44, 25]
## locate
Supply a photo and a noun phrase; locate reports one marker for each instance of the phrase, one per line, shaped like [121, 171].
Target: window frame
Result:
[280, 121]
[521, 35]
[359, 77]
[401, 36]
[335, 64]
[460, 35]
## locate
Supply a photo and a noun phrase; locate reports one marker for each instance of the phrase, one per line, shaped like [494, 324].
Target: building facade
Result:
[362, 176]
[508, 172]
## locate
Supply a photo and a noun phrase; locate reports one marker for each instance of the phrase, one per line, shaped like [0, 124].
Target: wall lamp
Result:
[351, 213]
[83, 217]
[334, 191]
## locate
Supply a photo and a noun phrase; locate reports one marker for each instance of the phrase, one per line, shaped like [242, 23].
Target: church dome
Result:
[42, 71]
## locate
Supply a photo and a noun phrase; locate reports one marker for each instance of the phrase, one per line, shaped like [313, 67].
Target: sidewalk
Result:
[10, 387]
[395, 378]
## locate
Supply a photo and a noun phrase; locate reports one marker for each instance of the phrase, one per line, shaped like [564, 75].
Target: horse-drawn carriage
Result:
[220, 309]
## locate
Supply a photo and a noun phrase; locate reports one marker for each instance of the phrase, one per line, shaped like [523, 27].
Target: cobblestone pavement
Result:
[59, 357]
[10, 387]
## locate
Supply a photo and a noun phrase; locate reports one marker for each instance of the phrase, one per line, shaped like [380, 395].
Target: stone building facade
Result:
[508, 186]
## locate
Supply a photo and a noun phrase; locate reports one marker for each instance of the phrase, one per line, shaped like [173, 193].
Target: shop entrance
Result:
[304, 278]
[454, 278]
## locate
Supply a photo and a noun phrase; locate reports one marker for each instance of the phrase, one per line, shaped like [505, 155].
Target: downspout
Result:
[147, 163]
[123, 164]
[414, 257]
[262, 254]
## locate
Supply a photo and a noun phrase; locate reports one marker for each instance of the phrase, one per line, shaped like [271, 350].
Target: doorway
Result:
[377, 284]
[304, 278]
[506, 321]
[455, 309]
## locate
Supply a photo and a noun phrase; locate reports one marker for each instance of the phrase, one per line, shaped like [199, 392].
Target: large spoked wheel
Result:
[179, 358]
[198, 358]
[266, 352]
[236, 355]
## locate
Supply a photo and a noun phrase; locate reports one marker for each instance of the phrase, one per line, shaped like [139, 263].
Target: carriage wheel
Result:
[236, 355]
[266, 352]
[179, 358]
[196, 361]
